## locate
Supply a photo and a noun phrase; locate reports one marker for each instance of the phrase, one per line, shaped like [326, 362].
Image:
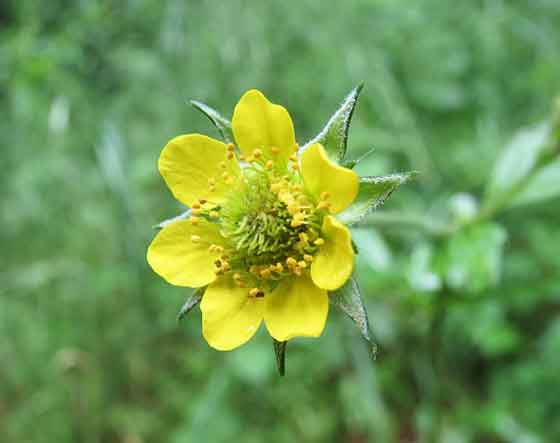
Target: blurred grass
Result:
[90, 349]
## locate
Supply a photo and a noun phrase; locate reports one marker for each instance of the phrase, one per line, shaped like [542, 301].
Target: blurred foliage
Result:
[460, 269]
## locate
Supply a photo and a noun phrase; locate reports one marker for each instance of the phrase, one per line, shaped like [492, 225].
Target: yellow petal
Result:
[322, 175]
[190, 163]
[229, 316]
[334, 262]
[296, 308]
[182, 262]
[260, 124]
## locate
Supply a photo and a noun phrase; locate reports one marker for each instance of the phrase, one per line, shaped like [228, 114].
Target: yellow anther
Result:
[293, 209]
[230, 147]
[256, 292]
[265, 273]
[212, 188]
[211, 181]
[195, 205]
[214, 214]
[297, 270]
[223, 165]
[225, 266]
[325, 195]
[319, 242]
[292, 158]
[299, 216]
[257, 153]
[195, 238]
[308, 258]
[294, 167]
[275, 150]
[242, 157]
[269, 164]
[290, 261]
[225, 174]
[240, 283]
[279, 267]
[229, 155]
[296, 147]
[303, 237]
[195, 211]
[302, 199]
[295, 223]
[194, 220]
[254, 269]
[219, 249]
[296, 187]
[229, 180]
[237, 276]
[323, 205]
[302, 264]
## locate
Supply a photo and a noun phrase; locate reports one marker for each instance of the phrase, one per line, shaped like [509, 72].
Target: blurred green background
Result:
[460, 269]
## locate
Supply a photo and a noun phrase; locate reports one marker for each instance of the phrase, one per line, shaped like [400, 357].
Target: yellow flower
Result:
[263, 236]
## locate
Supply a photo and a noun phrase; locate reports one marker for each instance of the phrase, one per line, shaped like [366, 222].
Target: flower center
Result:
[270, 224]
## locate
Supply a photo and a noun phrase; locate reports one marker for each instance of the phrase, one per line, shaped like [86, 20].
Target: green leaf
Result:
[545, 184]
[182, 216]
[334, 136]
[518, 159]
[280, 352]
[222, 124]
[191, 302]
[349, 300]
[372, 193]
[472, 258]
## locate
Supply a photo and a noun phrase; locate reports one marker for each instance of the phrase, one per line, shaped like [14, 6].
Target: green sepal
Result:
[349, 300]
[334, 136]
[350, 164]
[222, 124]
[185, 215]
[280, 352]
[373, 192]
[191, 302]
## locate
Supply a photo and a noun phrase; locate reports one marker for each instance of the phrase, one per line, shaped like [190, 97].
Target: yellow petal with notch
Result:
[296, 308]
[193, 167]
[334, 261]
[322, 175]
[179, 253]
[260, 124]
[229, 316]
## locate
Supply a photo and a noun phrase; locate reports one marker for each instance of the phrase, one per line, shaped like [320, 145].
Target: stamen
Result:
[319, 242]
[257, 153]
[308, 258]
[275, 150]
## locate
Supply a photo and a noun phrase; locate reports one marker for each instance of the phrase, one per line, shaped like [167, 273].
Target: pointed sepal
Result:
[280, 353]
[182, 216]
[334, 136]
[373, 192]
[191, 302]
[222, 124]
[349, 300]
